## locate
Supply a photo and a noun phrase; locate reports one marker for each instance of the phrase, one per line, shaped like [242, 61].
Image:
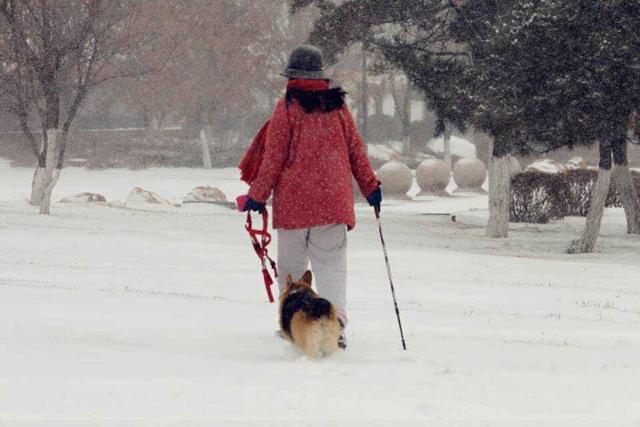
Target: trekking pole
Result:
[393, 291]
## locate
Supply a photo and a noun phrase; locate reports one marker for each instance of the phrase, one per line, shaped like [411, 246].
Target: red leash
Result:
[260, 246]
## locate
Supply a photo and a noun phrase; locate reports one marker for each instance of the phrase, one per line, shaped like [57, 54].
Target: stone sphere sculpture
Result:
[432, 176]
[469, 174]
[396, 179]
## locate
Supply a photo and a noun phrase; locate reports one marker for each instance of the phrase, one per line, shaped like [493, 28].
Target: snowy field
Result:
[158, 317]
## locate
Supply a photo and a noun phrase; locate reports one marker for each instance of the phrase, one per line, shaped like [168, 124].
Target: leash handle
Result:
[260, 247]
[265, 222]
[265, 236]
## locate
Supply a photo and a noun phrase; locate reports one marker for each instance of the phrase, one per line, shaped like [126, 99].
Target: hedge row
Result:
[538, 197]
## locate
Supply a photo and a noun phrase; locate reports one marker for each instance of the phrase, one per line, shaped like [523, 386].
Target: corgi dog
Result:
[307, 320]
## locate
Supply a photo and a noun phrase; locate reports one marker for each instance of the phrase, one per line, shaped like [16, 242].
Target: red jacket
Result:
[308, 162]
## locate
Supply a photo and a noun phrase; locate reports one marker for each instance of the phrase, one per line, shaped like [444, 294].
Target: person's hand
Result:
[375, 198]
[250, 204]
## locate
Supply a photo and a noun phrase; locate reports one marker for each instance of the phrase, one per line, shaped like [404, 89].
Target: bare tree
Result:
[52, 54]
[401, 92]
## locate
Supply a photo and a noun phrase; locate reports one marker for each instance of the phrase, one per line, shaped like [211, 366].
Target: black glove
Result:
[375, 198]
[253, 205]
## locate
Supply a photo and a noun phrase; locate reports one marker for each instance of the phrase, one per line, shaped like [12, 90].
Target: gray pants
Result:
[326, 248]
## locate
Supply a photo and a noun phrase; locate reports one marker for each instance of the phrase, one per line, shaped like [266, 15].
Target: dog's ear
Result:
[307, 278]
[289, 280]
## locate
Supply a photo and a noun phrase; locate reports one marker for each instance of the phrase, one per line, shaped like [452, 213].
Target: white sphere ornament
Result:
[469, 174]
[396, 179]
[432, 176]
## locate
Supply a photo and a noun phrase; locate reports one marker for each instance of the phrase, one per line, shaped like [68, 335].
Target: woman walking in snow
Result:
[312, 150]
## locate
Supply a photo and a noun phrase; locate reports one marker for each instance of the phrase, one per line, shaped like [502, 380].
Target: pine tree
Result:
[610, 70]
[558, 73]
[535, 75]
[435, 44]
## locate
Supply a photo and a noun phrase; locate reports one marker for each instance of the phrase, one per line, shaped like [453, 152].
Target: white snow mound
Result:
[140, 196]
[382, 153]
[546, 166]
[576, 163]
[460, 147]
[83, 198]
[205, 194]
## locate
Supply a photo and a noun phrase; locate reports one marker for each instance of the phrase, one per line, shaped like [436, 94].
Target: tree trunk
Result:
[406, 112]
[378, 102]
[37, 186]
[499, 192]
[51, 171]
[446, 148]
[587, 241]
[625, 186]
[402, 109]
[39, 176]
[364, 113]
[483, 146]
[206, 154]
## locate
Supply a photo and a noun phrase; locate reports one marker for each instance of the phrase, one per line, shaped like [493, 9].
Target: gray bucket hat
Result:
[306, 62]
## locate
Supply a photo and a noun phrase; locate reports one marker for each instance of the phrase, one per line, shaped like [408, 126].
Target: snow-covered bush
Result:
[581, 183]
[538, 197]
[614, 199]
[396, 178]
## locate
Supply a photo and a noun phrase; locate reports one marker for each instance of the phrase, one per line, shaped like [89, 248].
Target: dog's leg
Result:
[297, 329]
[330, 335]
[303, 335]
[312, 338]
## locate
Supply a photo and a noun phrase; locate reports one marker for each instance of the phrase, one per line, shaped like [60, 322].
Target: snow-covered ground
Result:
[158, 317]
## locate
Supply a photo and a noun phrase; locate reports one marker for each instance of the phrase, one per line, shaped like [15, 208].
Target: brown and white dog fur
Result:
[308, 320]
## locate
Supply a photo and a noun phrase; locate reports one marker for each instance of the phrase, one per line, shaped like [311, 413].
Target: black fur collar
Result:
[324, 100]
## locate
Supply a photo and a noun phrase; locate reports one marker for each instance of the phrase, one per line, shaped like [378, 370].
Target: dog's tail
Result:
[319, 308]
